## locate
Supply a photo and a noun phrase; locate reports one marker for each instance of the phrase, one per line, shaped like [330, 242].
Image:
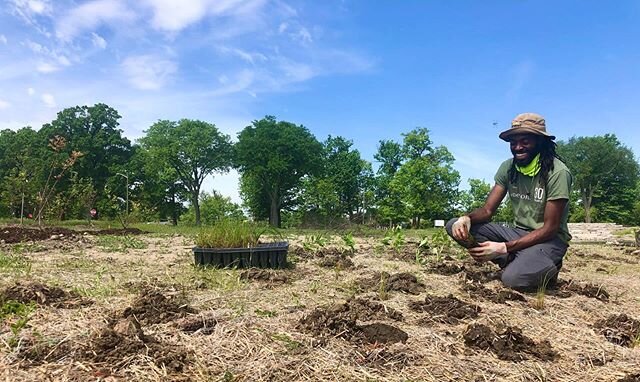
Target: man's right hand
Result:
[460, 229]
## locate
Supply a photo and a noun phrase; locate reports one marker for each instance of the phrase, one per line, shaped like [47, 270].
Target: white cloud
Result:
[148, 72]
[175, 15]
[30, 10]
[303, 35]
[4, 105]
[98, 41]
[283, 27]
[45, 67]
[38, 6]
[240, 82]
[48, 100]
[31, 91]
[89, 15]
[251, 58]
[3, 39]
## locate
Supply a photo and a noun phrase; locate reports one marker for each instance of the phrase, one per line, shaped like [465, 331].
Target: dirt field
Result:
[88, 307]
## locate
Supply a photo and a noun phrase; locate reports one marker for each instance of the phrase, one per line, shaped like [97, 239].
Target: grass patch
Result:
[14, 264]
[230, 234]
[120, 243]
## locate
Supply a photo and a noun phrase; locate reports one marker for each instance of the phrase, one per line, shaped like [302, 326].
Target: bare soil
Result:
[447, 309]
[565, 289]
[499, 297]
[446, 268]
[43, 295]
[397, 282]
[508, 343]
[268, 276]
[153, 306]
[339, 261]
[620, 330]
[198, 324]
[17, 234]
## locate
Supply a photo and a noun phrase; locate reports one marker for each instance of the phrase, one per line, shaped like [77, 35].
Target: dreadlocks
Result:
[547, 149]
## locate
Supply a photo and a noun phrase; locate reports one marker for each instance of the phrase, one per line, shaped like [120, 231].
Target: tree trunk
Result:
[586, 202]
[174, 210]
[196, 206]
[274, 212]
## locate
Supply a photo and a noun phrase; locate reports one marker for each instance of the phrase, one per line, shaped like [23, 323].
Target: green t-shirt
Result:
[529, 195]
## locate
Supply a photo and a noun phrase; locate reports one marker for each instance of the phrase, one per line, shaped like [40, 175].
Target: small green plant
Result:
[541, 293]
[265, 313]
[289, 343]
[20, 314]
[112, 243]
[313, 243]
[383, 293]
[423, 246]
[230, 234]
[349, 242]
[395, 238]
[439, 243]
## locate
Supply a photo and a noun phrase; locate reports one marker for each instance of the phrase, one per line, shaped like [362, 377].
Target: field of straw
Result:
[134, 308]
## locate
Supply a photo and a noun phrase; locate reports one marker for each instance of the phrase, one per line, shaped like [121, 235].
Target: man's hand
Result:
[488, 250]
[460, 229]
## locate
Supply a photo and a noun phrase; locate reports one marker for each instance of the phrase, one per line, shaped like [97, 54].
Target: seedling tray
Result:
[267, 255]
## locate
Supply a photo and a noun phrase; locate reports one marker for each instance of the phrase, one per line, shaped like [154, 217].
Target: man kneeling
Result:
[539, 184]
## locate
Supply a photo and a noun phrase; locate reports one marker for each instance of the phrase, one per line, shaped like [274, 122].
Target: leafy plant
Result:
[230, 234]
[20, 313]
[440, 242]
[538, 303]
[383, 294]
[313, 243]
[395, 238]
[349, 242]
[112, 243]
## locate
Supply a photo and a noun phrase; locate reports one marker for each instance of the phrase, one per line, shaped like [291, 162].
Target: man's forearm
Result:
[479, 215]
[534, 237]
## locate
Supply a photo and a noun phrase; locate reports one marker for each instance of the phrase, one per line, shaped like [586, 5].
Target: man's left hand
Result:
[488, 250]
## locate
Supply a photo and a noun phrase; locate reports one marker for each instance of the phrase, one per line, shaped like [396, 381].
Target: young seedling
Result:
[349, 242]
[541, 293]
[383, 294]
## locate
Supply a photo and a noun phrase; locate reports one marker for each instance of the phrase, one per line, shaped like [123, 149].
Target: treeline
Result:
[80, 166]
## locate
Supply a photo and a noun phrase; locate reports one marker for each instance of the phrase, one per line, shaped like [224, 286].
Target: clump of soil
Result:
[43, 295]
[118, 344]
[620, 330]
[154, 307]
[630, 378]
[367, 310]
[382, 333]
[481, 275]
[508, 343]
[341, 321]
[198, 324]
[118, 232]
[447, 309]
[566, 289]
[264, 275]
[400, 282]
[10, 235]
[340, 261]
[39, 350]
[446, 269]
[499, 297]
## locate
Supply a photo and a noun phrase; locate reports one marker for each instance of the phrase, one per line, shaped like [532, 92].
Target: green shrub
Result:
[230, 234]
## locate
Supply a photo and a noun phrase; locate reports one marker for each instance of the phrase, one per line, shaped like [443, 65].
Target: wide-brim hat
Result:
[526, 123]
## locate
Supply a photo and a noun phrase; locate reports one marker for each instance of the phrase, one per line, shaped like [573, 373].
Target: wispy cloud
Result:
[148, 72]
[46, 67]
[4, 104]
[88, 16]
[520, 76]
[48, 100]
[98, 41]
[250, 57]
[31, 91]
[3, 39]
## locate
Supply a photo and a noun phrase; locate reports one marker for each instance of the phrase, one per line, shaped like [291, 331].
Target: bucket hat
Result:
[526, 123]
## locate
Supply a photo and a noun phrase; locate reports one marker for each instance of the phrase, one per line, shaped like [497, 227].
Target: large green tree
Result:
[272, 158]
[605, 174]
[193, 149]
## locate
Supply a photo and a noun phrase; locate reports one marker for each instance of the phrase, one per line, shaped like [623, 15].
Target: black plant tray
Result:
[267, 255]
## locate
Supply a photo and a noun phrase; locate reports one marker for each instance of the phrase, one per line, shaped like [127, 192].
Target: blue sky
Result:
[366, 70]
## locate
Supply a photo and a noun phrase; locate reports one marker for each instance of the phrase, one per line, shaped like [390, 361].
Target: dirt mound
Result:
[400, 282]
[499, 297]
[382, 333]
[566, 289]
[154, 307]
[340, 261]
[264, 275]
[508, 344]
[446, 269]
[630, 378]
[620, 330]
[11, 235]
[198, 324]
[367, 310]
[481, 275]
[43, 295]
[120, 343]
[447, 309]
[37, 350]
[118, 232]
[340, 321]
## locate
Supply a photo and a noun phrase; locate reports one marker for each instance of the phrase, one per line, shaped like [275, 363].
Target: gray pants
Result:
[528, 268]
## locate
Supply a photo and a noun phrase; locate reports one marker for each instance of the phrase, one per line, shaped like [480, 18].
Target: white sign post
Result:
[438, 223]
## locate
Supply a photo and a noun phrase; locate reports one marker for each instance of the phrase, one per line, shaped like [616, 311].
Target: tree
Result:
[475, 196]
[193, 149]
[605, 173]
[272, 158]
[93, 131]
[214, 207]
[416, 180]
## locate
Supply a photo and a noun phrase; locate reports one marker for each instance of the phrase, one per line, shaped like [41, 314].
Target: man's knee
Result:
[515, 279]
